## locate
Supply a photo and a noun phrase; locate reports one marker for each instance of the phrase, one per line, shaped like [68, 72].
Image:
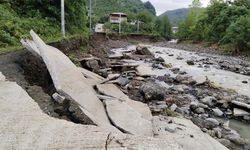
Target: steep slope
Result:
[177, 15]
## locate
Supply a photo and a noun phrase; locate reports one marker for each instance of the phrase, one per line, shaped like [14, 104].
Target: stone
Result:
[179, 58]
[199, 110]
[173, 107]
[217, 132]
[179, 78]
[190, 62]
[239, 112]
[225, 142]
[127, 119]
[202, 105]
[193, 106]
[245, 82]
[142, 51]
[217, 112]
[123, 81]
[175, 70]
[152, 91]
[211, 123]
[70, 83]
[160, 59]
[209, 100]
[58, 98]
[246, 117]
[91, 64]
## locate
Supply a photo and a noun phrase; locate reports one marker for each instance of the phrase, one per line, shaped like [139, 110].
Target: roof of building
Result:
[118, 13]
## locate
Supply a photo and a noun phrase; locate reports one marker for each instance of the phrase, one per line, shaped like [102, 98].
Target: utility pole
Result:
[120, 20]
[138, 26]
[62, 19]
[90, 15]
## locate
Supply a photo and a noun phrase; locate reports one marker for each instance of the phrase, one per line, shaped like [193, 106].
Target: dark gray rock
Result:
[211, 123]
[160, 59]
[152, 91]
[142, 51]
[217, 112]
[190, 62]
[200, 110]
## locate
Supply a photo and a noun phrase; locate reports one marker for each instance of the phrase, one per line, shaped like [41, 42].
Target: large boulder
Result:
[152, 91]
[142, 51]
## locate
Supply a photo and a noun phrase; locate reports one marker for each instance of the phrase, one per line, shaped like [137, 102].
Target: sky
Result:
[163, 5]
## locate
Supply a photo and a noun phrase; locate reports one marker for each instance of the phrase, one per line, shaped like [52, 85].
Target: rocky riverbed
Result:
[198, 86]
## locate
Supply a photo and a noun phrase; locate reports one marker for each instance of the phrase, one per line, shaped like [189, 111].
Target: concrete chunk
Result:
[127, 119]
[240, 112]
[113, 91]
[70, 83]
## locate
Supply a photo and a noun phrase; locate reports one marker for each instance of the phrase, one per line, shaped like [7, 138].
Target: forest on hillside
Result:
[226, 23]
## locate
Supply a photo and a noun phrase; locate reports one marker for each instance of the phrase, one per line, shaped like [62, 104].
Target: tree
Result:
[165, 28]
[186, 28]
[144, 17]
[238, 34]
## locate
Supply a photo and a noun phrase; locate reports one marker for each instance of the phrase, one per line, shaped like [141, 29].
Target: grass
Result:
[4, 50]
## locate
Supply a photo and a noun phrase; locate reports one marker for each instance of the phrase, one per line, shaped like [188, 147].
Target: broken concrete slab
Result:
[184, 132]
[241, 104]
[127, 119]
[70, 83]
[25, 126]
[31, 47]
[113, 91]
[91, 78]
[239, 112]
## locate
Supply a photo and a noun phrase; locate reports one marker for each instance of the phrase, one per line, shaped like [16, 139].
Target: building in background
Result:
[99, 28]
[116, 18]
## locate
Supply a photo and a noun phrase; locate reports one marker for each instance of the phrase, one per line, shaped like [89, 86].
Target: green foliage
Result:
[223, 22]
[163, 27]
[150, 7]
[238, 34]
[102, 8]
[144, 17]
[188, 26]
[18, 17]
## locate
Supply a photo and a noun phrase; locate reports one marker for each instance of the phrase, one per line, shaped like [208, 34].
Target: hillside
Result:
[177, 15]
[102, 8]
